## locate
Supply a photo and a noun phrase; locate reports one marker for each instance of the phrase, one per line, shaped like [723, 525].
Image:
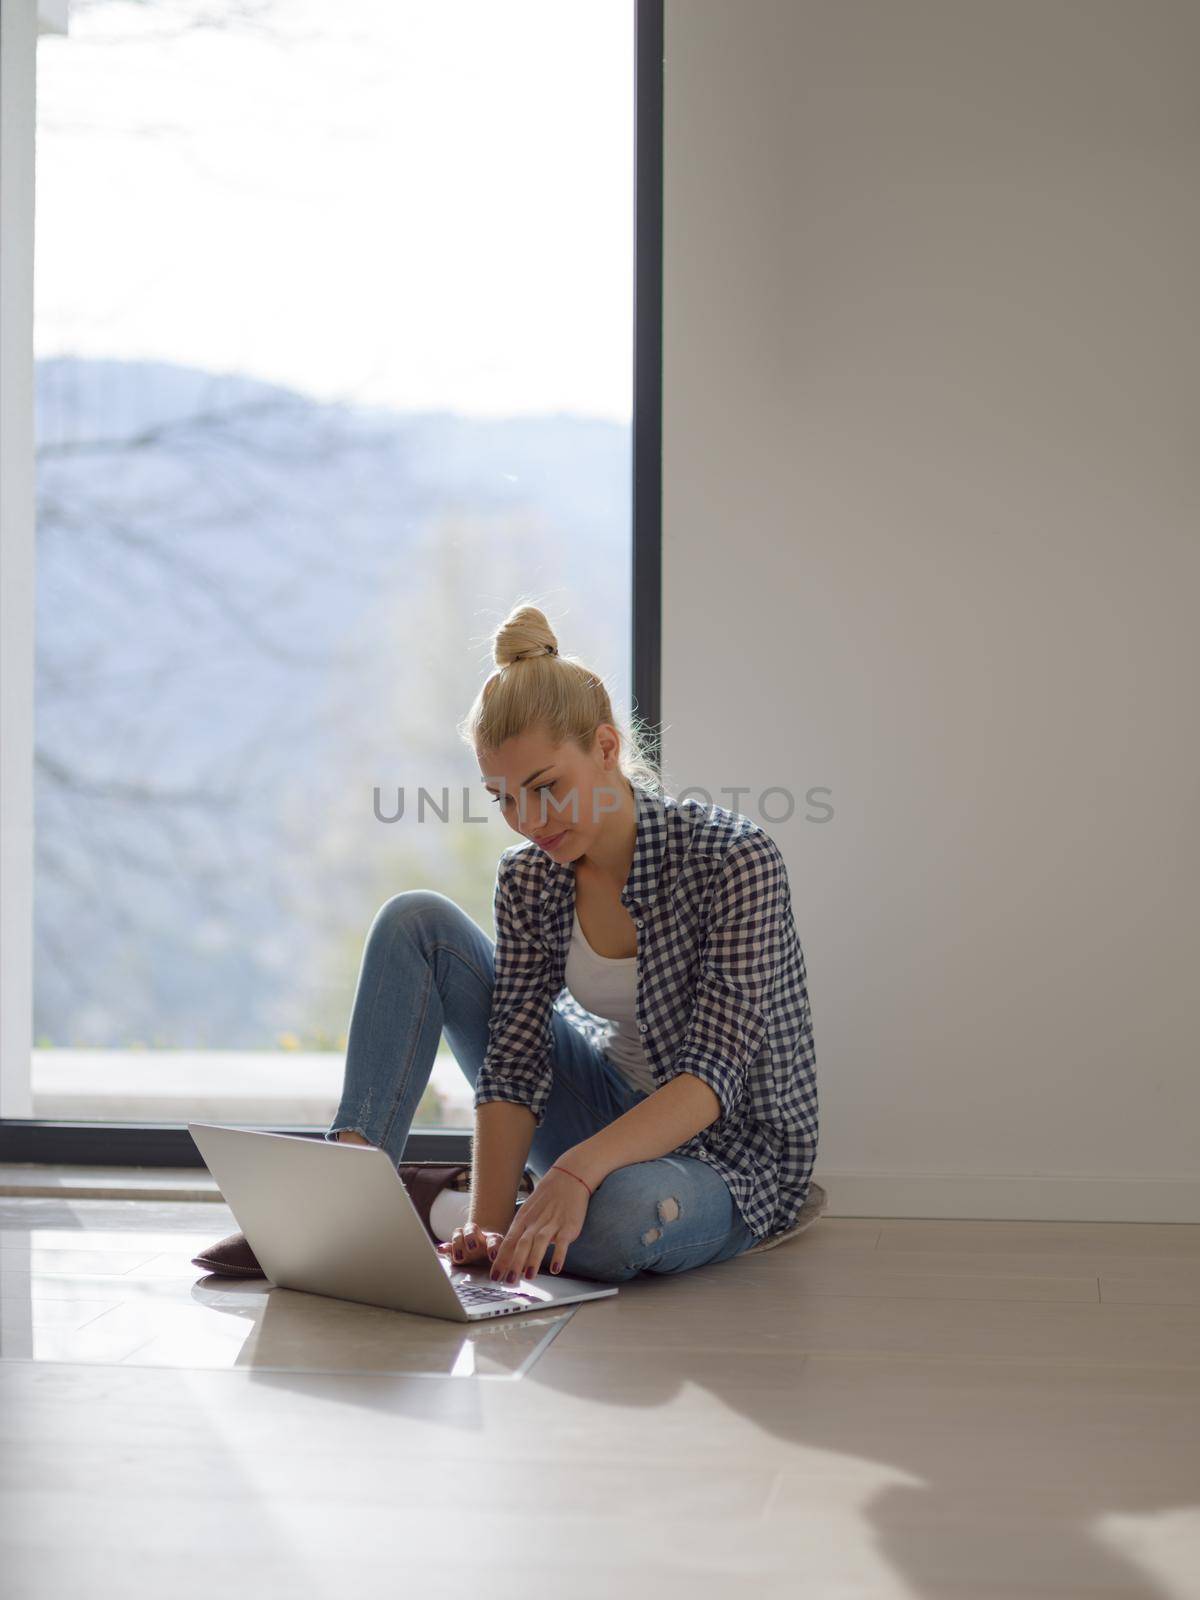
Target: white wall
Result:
[931, 482]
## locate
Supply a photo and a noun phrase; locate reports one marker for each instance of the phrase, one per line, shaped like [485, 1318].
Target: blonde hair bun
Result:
[525, 633]
[533, 686]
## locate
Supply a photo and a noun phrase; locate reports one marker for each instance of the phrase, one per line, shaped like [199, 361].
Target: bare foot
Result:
[346, 1136]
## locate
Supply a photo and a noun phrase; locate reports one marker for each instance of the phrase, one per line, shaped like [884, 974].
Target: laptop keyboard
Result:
[476, 1294]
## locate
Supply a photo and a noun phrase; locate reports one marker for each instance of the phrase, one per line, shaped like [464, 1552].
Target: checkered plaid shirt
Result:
[721, 991]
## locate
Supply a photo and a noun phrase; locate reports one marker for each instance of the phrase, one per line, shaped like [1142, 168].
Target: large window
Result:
[333, 326]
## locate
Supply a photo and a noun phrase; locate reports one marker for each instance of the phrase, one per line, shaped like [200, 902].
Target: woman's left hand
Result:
[553, 1214]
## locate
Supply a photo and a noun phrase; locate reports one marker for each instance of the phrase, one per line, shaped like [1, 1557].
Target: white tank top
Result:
[607, 987]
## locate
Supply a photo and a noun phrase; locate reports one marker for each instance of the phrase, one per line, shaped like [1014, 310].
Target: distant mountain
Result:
[251, 606]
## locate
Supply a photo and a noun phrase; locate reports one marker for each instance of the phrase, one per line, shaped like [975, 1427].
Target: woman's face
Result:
[556, 795]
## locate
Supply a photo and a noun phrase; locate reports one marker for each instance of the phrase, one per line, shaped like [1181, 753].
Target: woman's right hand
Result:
[471, 1245]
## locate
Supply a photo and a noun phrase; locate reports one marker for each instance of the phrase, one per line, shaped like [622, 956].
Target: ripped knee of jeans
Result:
[668, 1211]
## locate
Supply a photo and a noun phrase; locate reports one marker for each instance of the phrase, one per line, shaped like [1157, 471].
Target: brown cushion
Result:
[231, 1256]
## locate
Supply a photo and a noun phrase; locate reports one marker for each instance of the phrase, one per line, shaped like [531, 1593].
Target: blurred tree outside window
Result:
[333, 335]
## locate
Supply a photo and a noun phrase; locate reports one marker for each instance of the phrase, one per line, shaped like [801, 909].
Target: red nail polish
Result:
[512, 1278]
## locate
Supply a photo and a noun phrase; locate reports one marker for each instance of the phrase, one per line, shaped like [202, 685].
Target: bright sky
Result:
[418, 205]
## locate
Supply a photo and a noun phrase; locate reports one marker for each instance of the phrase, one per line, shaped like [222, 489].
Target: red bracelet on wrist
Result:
[575, 1175]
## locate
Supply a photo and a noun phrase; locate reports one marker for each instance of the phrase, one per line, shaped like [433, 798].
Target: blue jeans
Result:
[427, 969]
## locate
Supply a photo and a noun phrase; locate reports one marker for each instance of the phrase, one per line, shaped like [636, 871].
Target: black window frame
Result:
[148, 1144]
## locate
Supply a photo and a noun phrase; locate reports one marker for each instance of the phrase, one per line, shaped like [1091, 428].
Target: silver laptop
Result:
[336, 1219]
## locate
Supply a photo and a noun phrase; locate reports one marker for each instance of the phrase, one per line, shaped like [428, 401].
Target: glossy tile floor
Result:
[874, 1409]
[112, 1282]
